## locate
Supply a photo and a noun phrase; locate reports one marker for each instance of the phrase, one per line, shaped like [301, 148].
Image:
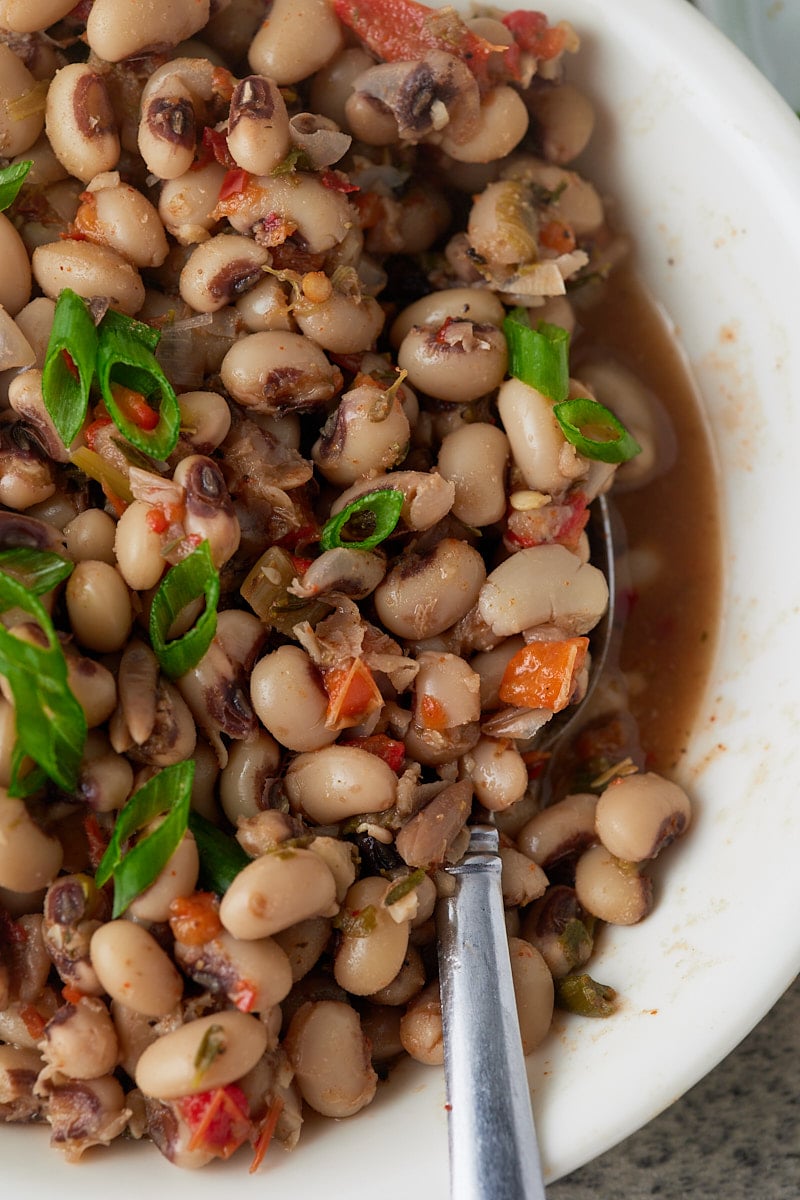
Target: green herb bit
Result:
[38, 570]
[595, 432]
[585, 996]
[69, 365]
[134, 870]
[125, 357]
[404, 886]
[192, 577]
[11, 180]
[538, 357]
[212, 1045]
[365, 523]
[576, 942]
[295, 160]
[50, 723]
[357, 923]
[221, 856]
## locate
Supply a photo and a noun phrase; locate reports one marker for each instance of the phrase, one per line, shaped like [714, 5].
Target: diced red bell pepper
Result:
[534, 34]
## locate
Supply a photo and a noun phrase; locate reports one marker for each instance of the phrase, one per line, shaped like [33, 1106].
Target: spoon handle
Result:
[493, 1150]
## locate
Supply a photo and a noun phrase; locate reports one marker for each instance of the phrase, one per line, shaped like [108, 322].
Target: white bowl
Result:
[705, 161]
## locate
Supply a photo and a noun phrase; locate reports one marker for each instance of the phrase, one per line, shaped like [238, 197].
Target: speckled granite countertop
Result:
[734, 1136]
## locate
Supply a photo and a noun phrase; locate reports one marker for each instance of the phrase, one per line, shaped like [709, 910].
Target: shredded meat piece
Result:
[346, 635]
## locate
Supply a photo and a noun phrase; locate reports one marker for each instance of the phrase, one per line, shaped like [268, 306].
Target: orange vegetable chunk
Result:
[542, 674]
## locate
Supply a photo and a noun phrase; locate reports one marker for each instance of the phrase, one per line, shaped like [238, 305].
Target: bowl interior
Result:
[704, 162]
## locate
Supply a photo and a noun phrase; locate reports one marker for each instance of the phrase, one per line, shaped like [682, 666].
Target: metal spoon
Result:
[494, 1153]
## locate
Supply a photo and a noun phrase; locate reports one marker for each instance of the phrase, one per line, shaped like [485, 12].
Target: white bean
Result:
[225, 1045]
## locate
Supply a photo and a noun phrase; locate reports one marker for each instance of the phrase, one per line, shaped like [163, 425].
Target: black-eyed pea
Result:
[565, 117]
[207, 1053]
[278, 890]
[258, 125]
[421, 1027]
[611, 889]
[15, 349]
[523, 881]
[90, 537]
[21, 16]
[545, 459]
[99, 606]
[16, 135]
[255, 975]
[15, 278]
[275, 371]
[322, 217]
[90, 271]
[137, 547]
[134, 970]
[290, 701]
[80, 1040]
[408, 981]
[366, 435]
[244, 779]
[35, 321]
[543, 585]
[460, 304]
[187, 203]
[93, 686]
[115, 32]
[332, 85]
[277, 52]
[638, 815]
[373, 945]
[304, 944]
[205, 420]
[80, 122]
[381, 1025]
[177, 878]
[330, 1056]
[446, 691]
[266, 306]
[208, 510]
[340, 857]
[342, 324]
[370, 121]
[29, 858]
[220, 270]
[337, 782]
[502, 124]
[105, 780]
[566, 827]
[534, 992]
[424, 594]
[475, 459]
[458, 362]
[113, 213]
[498, 772]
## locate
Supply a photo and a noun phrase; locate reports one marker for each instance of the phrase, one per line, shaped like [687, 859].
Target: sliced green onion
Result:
[594, 431]
[69, 365]
[39, 570]
[539, 357]
[192, 577]
[373, 518]
[50, 723]
[125, 356]
[133, 871]
[221, 856]
[11, 180]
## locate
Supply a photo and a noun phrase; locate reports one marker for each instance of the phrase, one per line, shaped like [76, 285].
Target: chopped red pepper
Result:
[534, 35]
[235, 181]
[214, 148]
[404, 30]
[267, 1132]
[382, 746]
[194, 920]
[219, 1120]
[69, 363]
[558, 236]
[352, 694]
[71, 994]
[134, 407]
[96, 839]
[93, 430]
[33, 1021]
[337, 181]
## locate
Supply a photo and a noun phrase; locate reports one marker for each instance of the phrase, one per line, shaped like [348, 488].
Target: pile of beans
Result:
[328, 244]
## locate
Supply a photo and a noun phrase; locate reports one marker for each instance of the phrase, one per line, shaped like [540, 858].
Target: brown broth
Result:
[669, 634]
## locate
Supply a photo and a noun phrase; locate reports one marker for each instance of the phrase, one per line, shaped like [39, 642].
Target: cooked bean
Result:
[220, 270]
[93, 686]
[277, 51]
[408, 981]
[115, 214]
[304, 944]
[369, 957]
[557, 926]
[90, 271]
[421, 1027]
[460, 304]
[611, 889]
[533, 989]
[254, 975]
[16, 135]
[226, 1044]
[244, 778]
[15, 278]
[523, 880]
[498, 772]
[579, 204]
[106, 778]
[547, 462]
[426, 593]
[474, 458]
[265, 306]
[381, 1026]
[322, 217]
[458, 363]
[341, 858]
[332, 85]
[177, 878]
[35, 321]
[80, 1040]
[638, 815]
[289, 699]
[258, 125]
[276, 891]
[330, 1057]
[446, 691]
[80, 122]
[369, 120]
[564, 828]
[341, 324]
[264, 831]
[99, 606]
[543, 586]
[276, 371]
[116, 31]
[337, 782]
[90, 537]
[565, 117]
[138, 548]
[427, 497]
[25, 397]
[205, 420]
[187, 202]
[208, 511]
[502, 124]
[134, 970]
[15, 349]
[367, 434]
[19, 1067]
[21, 16]
[29, 858]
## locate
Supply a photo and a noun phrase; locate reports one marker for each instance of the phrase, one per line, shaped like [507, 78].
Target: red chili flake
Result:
[33, 1021]
[235, 181]
[369, 206]
[300, 564]
[244, 996]
[534, 35]
[69, 363]
[214, 148]
[157, 520]
[441, 333]
[71, 994]
[382, 746]
[98, 842]
[219, 1119]
[337, 181]
[93, 430]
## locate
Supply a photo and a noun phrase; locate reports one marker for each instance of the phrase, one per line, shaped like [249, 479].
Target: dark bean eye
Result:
[172, 120]
[209, 483]
[66, 903]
